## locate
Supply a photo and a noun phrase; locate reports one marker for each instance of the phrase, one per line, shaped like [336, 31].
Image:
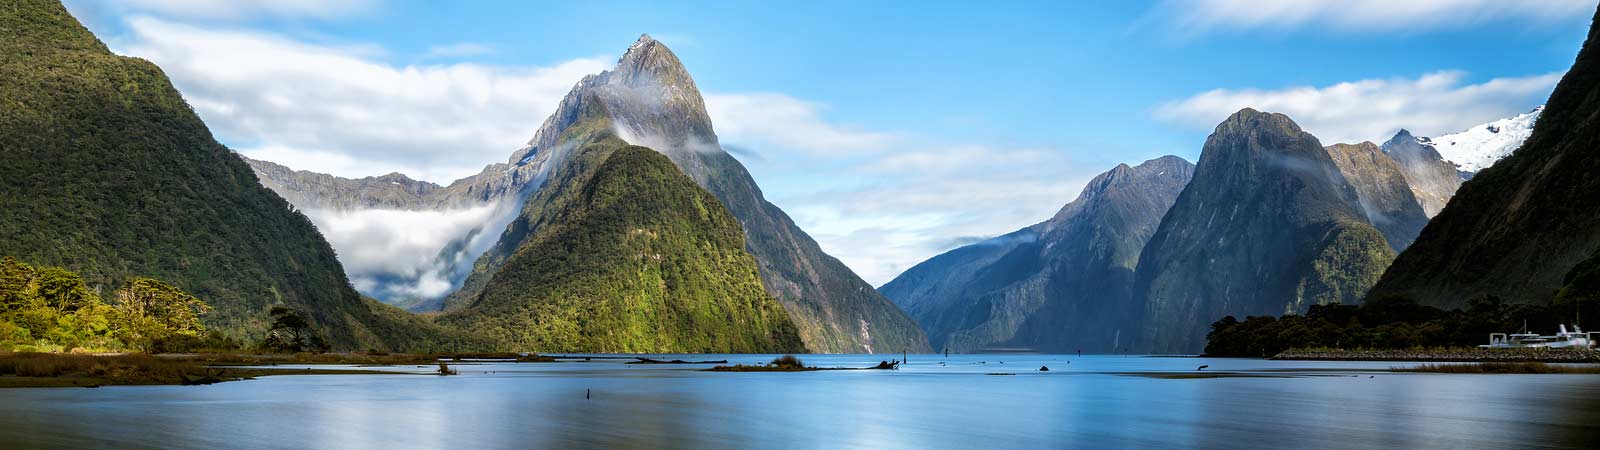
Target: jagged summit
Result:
[649, 97]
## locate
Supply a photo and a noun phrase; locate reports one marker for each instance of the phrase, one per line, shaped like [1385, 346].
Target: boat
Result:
[1576, 338]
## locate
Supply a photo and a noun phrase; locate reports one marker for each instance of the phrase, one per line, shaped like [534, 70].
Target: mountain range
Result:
[649, 99]
[624, 226]
[1271, 227]
[1060, 285]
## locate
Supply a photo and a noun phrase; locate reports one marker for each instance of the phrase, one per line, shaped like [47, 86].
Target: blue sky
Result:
[889, 131]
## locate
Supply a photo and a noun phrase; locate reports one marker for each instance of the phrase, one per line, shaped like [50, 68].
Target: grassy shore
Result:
[81, 370]
[31, 369]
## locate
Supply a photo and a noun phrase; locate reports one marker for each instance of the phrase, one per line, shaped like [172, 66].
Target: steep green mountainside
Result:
[651, 100]
[1057, 286]
[627, 255]
[1381, 188]
[108, 172]
[1267, 226]
[1516, 228]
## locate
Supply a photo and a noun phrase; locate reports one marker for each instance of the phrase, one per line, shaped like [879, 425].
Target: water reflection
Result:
[1078, 404]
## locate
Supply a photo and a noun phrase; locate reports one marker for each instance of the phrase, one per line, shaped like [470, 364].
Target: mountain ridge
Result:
[1267, 226]
[1060, 285]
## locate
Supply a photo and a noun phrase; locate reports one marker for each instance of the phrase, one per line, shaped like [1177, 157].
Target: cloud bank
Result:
[346, 112]
[1373, 109]
[401, 254]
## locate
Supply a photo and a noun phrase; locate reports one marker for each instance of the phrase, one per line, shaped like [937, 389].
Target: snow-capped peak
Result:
[1481, 146]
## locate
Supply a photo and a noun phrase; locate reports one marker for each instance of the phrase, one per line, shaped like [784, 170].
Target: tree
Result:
[291, 332]
[153, 312]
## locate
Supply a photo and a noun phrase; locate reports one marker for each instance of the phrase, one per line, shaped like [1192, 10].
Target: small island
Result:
[789, 363]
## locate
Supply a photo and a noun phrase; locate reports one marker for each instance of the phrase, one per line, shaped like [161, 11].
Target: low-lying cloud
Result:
[400, 254]
[1373, 109]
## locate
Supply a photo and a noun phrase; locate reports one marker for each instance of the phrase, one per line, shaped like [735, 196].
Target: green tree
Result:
[291, 332]
[153, 312]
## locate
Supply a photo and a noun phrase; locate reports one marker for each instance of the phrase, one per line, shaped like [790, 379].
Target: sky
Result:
[891, 132]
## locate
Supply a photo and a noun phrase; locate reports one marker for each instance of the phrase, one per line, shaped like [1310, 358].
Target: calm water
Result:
[1081, 404]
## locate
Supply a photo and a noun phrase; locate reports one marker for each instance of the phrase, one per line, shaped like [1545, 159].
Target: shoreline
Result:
[1478, 355]
[36, 370]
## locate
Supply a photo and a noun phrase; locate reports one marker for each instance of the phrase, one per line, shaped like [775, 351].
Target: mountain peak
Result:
[648, 62]
[1250, 120]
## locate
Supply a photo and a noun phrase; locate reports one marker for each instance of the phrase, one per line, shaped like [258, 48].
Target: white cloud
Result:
[922, 202]
[778, 121]
[263, 91]
[394, 254]
[1430, 105]
[242, 9]
[459, 50]
[1365, 15]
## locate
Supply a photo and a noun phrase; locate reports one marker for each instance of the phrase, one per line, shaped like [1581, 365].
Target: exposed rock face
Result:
[628, 255]
[649, 99]
[1267, 226]
[1381, 187]
[1516, 228]
[1057, 286]
[108, 171]
[1432, 179]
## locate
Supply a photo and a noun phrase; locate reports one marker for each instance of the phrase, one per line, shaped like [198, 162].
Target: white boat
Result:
[1576, 338]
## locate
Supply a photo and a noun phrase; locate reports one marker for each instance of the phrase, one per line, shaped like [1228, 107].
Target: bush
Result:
[788, 362]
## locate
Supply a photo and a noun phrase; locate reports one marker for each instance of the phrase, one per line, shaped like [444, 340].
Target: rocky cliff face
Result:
[1267, 226]
[1432, 179]
[1516, 228]
[649, 99]
[1057, 286]
[1383, 193]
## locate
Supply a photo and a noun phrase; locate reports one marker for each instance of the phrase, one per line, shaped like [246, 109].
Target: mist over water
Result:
[1082, 402]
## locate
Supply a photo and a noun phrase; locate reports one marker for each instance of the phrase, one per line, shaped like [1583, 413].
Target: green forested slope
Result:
[104, 169]
[627, 254]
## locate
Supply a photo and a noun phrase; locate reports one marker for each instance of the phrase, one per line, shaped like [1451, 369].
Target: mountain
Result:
[1267, 226]
[109, 172]
[1381, 188]
[650, 100]
[1057, 286]
[1432, 179]
[1518, 227]
[395, 191]
[628, 255]
[1481, 146]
